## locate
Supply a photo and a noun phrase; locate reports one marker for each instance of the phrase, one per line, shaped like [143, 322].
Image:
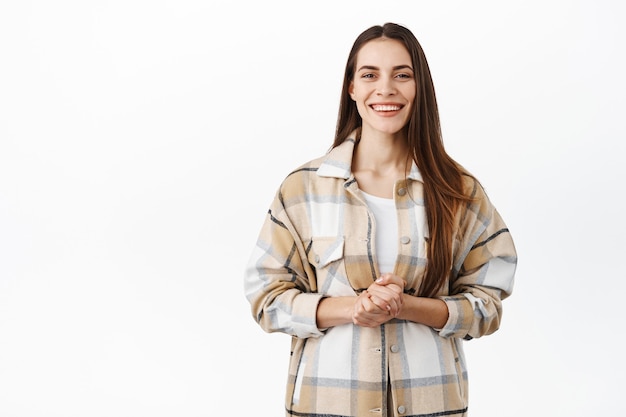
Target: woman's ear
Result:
[351, 90]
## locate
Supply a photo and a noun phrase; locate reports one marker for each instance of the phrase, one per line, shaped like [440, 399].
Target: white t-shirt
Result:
[386, 243]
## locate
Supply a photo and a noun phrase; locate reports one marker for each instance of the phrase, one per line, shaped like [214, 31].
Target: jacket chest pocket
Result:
[326, 256]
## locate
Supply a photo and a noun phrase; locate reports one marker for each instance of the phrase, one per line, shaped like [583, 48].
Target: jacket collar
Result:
[338, 162]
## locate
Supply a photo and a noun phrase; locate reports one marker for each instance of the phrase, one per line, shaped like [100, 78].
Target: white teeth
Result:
[385, 107]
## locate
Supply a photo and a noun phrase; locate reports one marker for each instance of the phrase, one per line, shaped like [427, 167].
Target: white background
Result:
[141, 143]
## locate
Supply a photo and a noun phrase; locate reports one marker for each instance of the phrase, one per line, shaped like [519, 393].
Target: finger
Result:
[371, 307]
[362, 317]
[391, 306]
[390, 294]
[387, 279]
[363, 306]
[367, 311]
[380, 303]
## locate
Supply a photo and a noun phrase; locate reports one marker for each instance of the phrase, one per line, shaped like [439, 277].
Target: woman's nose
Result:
[386, 87]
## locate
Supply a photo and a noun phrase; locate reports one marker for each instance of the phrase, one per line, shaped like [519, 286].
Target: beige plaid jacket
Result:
[318, 241]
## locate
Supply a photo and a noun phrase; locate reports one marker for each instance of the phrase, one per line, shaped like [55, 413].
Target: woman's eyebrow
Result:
[374, 68]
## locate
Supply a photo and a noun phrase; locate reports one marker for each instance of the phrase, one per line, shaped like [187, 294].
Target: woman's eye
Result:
[405, 76]
[369, 75]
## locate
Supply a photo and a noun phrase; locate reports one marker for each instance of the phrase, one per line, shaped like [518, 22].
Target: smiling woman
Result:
[382, 256]
[383, 93]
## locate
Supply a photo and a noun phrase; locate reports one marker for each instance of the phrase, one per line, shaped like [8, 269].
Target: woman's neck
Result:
[379, 161]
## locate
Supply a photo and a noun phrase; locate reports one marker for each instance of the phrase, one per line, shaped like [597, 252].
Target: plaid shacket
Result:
[318, 241]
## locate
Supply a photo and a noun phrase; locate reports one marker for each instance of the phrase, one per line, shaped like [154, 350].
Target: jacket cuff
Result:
[304, 315]
[460, 316]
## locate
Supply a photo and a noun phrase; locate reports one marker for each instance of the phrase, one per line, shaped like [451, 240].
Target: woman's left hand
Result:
[386, 293]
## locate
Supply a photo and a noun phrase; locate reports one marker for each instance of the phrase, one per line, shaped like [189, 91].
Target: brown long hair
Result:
[443, 177]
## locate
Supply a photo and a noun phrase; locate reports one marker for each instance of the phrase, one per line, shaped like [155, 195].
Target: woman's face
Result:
[383, 86]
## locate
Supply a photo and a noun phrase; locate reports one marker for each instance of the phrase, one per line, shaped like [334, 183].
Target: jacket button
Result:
[402, 191]
[395, 348]
[402, 409]
[405, 239]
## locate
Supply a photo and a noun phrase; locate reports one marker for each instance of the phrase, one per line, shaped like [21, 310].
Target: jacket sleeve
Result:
[483, 274]
[278, 281]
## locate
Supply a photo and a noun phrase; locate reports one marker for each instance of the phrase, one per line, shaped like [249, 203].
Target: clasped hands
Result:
[381, 302]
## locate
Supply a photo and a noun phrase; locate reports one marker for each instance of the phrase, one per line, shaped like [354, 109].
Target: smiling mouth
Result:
[385, 107]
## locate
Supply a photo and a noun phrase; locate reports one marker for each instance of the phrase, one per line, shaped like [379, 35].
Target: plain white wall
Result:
[141, 143]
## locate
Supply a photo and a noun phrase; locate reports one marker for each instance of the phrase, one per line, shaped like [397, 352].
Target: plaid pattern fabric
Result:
[318, 241]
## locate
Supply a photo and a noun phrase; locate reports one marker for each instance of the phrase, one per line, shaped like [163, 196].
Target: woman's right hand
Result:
[367, 314]
[386, 293]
